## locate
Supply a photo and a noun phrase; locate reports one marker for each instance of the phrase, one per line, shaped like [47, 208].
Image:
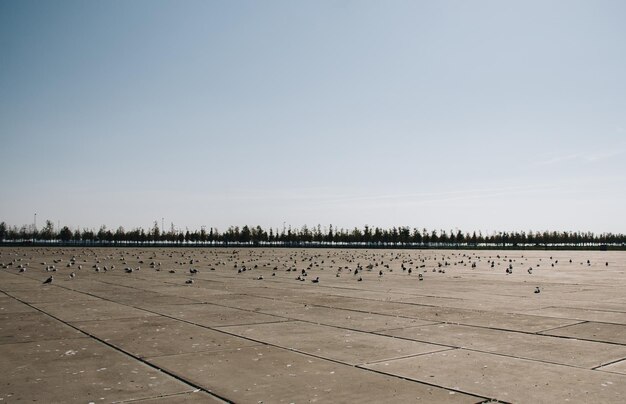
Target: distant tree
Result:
[156, 232]
[452, 238]
[404, 234]
[434, 238]
[47, 233]
[120, 235]
[395, 236]
[460, 238]
[417, 236]
[377, 237]
[443, 237]
[102, 233]
[245, 236]
[3, 231]
[65, 234]
[426, 236]
[87, 235]
[474, 239]
[367, 234]
[318, 236]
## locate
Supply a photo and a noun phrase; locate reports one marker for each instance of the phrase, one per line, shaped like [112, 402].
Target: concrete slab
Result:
[585, 354]
[351, 347]
[157, 336]
[603, 332]
[509, 321]
[617, 367]
[496, 320]
[50, 295]
[508, 379]
[10, 305]
[273, 375]
[353, 303]
[247, 302]
[349, 319]
[79, 370]
[488, 302]
[143, 299]
[130, 295]
[601, 316]
[16, 283]
[33, 326]
[210, 315]
[192, 292]
[90, 310]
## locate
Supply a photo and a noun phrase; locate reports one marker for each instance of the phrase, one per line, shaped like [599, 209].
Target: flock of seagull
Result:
[342, 262]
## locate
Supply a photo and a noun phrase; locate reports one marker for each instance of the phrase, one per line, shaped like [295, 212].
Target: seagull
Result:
[189, 281]
[530, 270]
[49, 280]
[72, 275]
[260, 278]
[420, 277]
[537, 290]
[316, 280]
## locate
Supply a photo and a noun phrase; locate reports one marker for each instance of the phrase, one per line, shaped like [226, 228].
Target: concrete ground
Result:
[136, 325]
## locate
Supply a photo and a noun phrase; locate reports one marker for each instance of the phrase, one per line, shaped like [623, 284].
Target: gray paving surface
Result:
[465, 333]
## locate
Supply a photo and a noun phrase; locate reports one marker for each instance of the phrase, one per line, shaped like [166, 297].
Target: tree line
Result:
[305, 236]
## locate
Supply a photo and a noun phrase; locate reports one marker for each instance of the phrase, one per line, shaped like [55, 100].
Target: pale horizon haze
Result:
[472, 115]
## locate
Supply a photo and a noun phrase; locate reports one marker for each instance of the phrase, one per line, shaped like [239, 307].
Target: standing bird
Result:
[316, 280]
[72, 275]
[49, 280]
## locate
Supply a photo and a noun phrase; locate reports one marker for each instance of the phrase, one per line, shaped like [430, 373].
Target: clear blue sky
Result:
[481, 115]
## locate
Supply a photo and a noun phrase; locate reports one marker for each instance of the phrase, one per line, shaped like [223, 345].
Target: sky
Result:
[472, 115]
